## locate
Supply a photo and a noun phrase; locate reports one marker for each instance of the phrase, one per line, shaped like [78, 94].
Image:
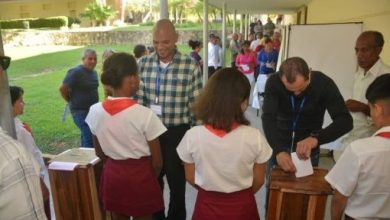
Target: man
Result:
[368, 48]
[80, 90]
[213, 54]
[20, 184]
[170, 82]
[295, 102]
[234, 47]
[269, 28]
[361, 177]
[257, 42]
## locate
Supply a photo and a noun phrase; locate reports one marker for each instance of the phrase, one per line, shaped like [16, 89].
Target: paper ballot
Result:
[304, 167]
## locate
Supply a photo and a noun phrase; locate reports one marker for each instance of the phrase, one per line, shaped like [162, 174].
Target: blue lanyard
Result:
[158, 80]
[295, 121]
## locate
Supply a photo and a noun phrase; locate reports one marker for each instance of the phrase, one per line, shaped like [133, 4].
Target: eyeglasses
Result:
[4, 62]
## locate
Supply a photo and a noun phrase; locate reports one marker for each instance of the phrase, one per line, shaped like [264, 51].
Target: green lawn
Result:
[40, 77]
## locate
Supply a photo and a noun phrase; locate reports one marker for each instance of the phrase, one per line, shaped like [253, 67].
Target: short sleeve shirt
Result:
[83, 85]
[124, 135]
[362, 174]
[224, 164]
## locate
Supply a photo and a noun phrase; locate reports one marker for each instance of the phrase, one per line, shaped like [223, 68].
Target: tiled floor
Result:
[325, 162]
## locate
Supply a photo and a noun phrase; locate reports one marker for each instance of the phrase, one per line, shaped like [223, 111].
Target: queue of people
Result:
[158, 121]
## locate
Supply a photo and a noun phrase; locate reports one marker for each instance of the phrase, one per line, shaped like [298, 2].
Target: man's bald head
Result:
[164, 39]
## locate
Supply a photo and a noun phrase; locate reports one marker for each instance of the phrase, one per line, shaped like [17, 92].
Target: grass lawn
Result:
[40, 77]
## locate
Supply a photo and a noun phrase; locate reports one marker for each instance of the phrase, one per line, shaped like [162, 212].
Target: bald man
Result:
[170, 82]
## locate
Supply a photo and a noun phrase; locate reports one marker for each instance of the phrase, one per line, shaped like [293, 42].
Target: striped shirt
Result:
[20, 190]
[180, 84]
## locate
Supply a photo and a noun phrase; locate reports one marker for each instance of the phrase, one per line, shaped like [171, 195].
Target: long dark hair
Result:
[219, 103]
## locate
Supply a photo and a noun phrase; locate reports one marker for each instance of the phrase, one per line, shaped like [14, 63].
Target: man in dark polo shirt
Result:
[80, 90]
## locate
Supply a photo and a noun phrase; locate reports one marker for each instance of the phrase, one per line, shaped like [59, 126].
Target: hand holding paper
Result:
[304, 167]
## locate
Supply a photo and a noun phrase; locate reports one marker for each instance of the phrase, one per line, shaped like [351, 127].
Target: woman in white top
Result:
[125, 136]
[224, 158]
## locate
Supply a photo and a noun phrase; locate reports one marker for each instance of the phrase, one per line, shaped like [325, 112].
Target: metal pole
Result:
[223, 37]
[234, 21]
[164, 9]
[6, 116]
[242, 23]
[246, 26]
[205, 41]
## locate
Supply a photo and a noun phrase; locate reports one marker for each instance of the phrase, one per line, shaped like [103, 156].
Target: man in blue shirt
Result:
[80, 90]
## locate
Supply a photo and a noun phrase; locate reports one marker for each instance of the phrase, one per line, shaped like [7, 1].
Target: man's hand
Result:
[305, 146]
[284, 161]
[356, 106]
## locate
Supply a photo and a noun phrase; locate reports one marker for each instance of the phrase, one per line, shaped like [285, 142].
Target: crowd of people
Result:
[158, 120]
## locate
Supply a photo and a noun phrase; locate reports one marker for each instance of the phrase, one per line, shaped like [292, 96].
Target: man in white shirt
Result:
[368, 48]
[235, 48]
[213, 54]
[361, 177]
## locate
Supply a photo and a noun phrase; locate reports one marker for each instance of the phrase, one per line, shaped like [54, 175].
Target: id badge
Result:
[269, 65]
[157, 109]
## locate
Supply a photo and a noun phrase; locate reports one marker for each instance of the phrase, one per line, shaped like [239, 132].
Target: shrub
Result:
[50, 22]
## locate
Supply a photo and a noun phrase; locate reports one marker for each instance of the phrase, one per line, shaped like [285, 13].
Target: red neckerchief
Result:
[220, 132]
[27, 127]
[385, 134]
[114, 106]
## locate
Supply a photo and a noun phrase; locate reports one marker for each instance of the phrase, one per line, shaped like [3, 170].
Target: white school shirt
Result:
[27, 140]
[125, 134]
[362, 124]
[224, 164]
[362, 174]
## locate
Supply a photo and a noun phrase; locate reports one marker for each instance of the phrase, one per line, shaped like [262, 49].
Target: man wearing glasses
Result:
[20, 184]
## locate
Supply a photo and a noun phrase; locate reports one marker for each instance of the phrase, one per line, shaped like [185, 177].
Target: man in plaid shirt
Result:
[170, 83]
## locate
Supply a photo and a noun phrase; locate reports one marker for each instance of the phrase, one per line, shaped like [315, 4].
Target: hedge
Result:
[50, 22]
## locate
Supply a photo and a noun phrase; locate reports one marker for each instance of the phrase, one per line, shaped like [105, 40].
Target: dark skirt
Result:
[227, 206]
[130, 187]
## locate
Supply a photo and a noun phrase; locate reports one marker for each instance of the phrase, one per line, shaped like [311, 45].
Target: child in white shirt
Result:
[125, 136]
[361, 176]
[224, 158]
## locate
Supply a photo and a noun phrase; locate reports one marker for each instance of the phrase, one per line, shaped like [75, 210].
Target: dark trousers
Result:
[174, 171]
[211, 71]
[79, 117]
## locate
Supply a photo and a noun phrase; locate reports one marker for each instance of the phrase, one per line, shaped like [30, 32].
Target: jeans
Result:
[86, 135]
[174, 170]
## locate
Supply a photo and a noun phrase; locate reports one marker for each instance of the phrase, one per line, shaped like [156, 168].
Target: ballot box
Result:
[74, 179]
[294, 198]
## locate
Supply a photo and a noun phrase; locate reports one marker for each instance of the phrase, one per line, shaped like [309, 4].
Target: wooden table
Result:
[75, 191]
[294, 198]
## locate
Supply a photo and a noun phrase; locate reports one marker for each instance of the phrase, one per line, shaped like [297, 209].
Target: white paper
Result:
[57, 165]
[304, 167]
[156, 109]
[245, 67]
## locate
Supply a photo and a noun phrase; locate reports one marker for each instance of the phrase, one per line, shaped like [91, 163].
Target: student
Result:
[360, 177]
[25, 137]
[224, 158]
[125, 136]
